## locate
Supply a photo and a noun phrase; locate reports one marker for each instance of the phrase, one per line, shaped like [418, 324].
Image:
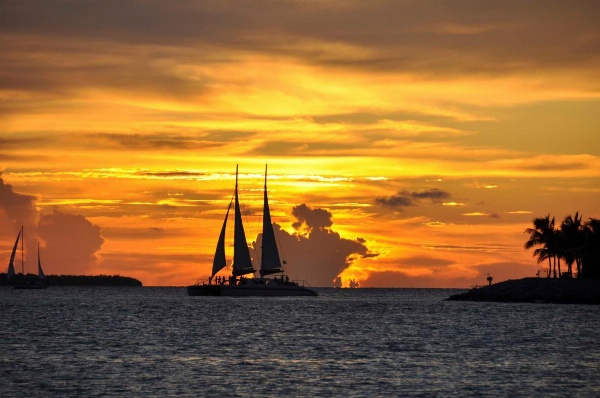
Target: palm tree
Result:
[571, 230]
[556, 247]
[590, 259]
[543, 234]
[573, 241]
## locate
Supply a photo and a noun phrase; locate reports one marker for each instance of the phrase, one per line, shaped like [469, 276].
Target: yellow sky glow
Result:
[422, 143]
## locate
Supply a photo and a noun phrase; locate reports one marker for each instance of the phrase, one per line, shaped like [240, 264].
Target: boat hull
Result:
[249, 291]
[30, 286]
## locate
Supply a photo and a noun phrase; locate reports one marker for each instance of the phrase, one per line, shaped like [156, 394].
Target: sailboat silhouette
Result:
[242, 263]
[22, 281]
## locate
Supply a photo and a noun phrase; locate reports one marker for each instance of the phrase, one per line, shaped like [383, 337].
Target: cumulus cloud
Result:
[315, 252]
[309, 219]
[70, 242]
[16, 208]
[404, 199]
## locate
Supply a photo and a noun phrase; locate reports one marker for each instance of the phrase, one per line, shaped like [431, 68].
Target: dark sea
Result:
[158, 342]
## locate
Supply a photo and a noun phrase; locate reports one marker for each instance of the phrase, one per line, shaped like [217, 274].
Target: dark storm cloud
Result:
[404, 199]
[316, 253]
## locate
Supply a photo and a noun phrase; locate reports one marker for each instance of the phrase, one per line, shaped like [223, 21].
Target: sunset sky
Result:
[409, 143]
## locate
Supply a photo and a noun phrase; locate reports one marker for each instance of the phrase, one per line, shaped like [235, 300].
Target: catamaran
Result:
[23, 281]
[238, 284]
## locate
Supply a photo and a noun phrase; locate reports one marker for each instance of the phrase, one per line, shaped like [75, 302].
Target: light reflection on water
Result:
[361, 342]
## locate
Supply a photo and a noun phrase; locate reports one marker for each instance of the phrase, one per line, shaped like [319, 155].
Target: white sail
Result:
[242, 264]
[220, 261]
[270, 262]
[11, 266]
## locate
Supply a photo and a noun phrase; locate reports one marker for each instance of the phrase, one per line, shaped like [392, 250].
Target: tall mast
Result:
[11, 264]
[270, 262]
[22, 260]
[242, 264]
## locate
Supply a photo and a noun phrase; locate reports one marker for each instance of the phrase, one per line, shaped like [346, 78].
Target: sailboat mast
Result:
[242, 264]
[11, 264]
[270, 261]
[22, 260]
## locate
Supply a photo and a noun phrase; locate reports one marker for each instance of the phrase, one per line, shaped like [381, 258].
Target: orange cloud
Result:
[133, 119]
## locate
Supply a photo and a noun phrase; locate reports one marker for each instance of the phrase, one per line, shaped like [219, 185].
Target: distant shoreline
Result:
[85, 280]
[536, 290]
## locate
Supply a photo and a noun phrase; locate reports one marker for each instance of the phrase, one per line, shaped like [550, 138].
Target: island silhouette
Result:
[573, 242]
[84, 280]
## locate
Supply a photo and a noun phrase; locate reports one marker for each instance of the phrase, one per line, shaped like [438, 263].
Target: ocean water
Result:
[158, 342]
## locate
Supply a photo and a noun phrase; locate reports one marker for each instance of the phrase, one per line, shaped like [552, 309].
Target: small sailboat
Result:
[238, 284]
[22, 281]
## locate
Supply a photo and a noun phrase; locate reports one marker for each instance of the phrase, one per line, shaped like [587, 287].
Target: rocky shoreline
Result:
[536, 290]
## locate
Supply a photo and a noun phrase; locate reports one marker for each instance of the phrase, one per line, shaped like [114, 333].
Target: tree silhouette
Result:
[590, 258]
[571, 242]
[574, 242]
[543, 234]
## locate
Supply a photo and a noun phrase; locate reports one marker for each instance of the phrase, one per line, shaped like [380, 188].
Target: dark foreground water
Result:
[143, 342]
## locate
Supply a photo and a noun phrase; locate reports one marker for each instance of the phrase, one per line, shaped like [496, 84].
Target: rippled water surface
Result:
[68, 341]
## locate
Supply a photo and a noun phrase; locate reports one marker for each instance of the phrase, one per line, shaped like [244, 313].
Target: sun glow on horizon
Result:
[422, 150]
